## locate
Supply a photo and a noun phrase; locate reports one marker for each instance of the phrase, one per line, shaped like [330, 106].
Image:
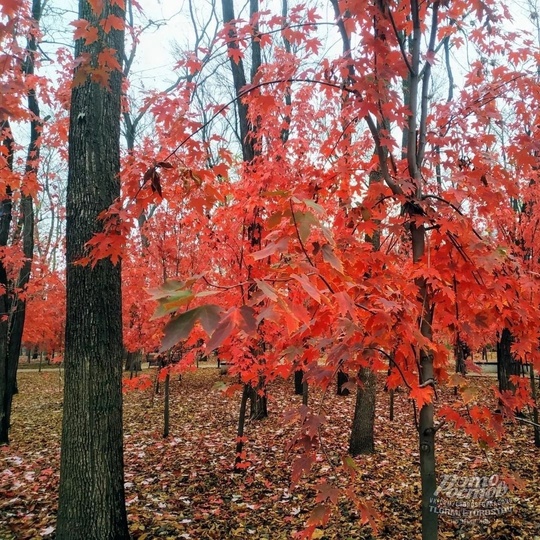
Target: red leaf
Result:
[112, 22]
[330, 257]
[235, 54]
[327, 492]
[308, 287]
[97, 6]
[83, 30]
[422, 396]
[108, 58]
[221, 333]
[267, 290]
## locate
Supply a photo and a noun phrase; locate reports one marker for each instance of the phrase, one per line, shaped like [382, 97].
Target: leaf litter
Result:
[183, 487]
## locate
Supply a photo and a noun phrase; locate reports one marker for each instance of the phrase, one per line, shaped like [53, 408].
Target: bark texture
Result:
[506, 363]
[91, 503]
[362, 440]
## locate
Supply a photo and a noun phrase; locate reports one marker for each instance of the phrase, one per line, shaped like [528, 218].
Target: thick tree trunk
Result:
[91, 500]
[361, 440]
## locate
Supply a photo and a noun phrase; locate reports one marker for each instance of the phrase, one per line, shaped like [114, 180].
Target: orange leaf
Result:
[422, 396]
[112, 22]
[97, 6]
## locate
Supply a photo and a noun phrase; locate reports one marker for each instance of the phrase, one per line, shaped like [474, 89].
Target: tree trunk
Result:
[305, 393]
[91, 499]
[166, 406]
[534, 395]
[241, 425]
[133, 362]
[298, 378]
[426, 425]
[460, 355]
[342, 378]
[6, 391]
[258, 403]
[506, 364]
[361, 440]
[12, 330]
[245, 134]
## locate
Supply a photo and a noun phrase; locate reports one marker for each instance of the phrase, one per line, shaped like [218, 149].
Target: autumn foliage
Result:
[271, 262]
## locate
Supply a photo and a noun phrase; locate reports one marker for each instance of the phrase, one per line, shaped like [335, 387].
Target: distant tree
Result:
[16, 266]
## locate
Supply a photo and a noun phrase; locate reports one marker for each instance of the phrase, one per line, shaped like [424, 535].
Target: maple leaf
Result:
[302, 464]
[84, 30]
[108, 58]
[181, 326]
[173, 302]
[235, 54]
[97, 6]
[368, 515]
[422, 396]
[112, 22]
[270, 249]
[267, 289]
[330, 257]
[320, 514]
[222, 331]
[308, 287]
[327, 491]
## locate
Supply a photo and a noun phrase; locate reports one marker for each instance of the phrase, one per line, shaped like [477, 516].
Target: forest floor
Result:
[183, 487]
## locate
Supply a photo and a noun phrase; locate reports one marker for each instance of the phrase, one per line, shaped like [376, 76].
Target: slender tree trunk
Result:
[459, 356]
[91, 500]
[11, 330]
[342, 378]
[305, 393]
[247, 133]
[361, 440]
[426, 426]
[241, 425]
[298, 378]
[6, 391]
[166, 407]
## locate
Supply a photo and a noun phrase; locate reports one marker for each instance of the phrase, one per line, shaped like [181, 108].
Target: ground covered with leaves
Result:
[183, 487]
